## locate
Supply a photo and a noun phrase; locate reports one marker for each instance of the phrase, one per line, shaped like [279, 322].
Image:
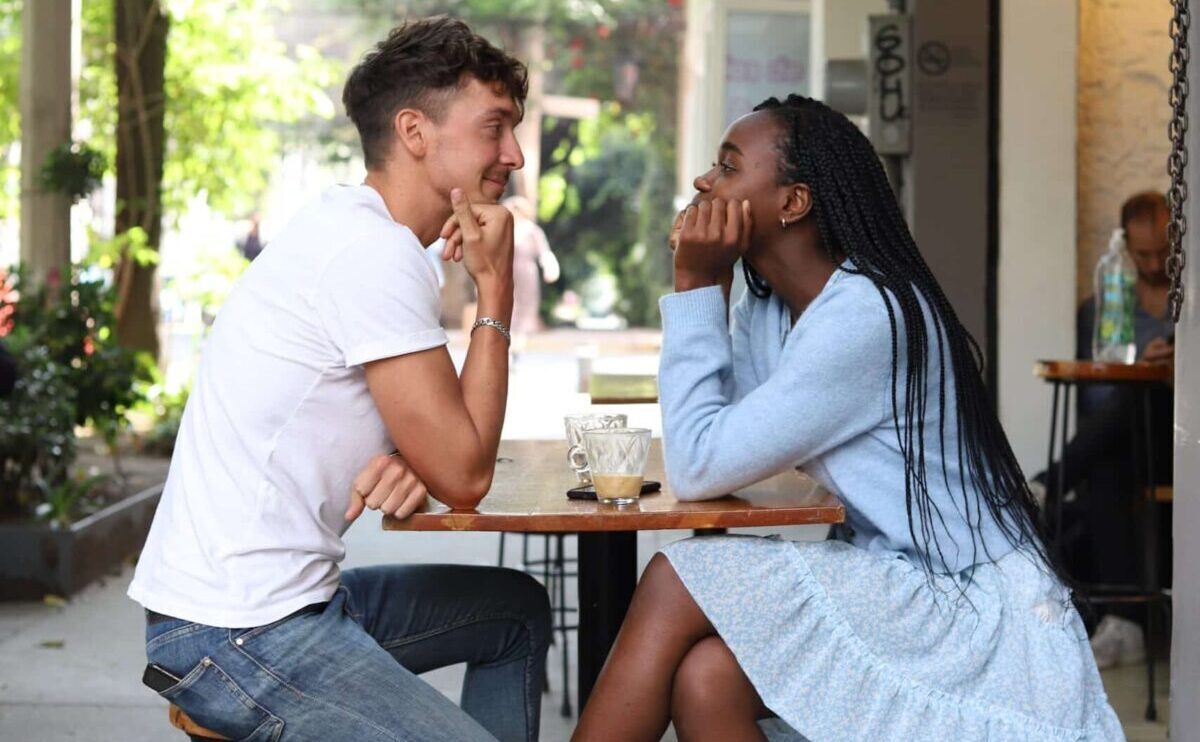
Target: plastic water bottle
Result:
[1116, 299]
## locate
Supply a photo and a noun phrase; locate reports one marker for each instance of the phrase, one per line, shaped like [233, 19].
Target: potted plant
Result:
[60, 528]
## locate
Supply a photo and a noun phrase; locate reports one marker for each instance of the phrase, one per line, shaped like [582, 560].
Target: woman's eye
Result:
[726, 167]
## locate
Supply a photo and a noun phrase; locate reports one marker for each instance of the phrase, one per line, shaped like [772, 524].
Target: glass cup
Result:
[576, 425]
[618, 461]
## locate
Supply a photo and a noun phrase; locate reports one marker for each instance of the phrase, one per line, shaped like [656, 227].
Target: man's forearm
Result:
[485, 372]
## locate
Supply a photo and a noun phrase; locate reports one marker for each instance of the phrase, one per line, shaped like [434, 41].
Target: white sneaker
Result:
[1118, 641]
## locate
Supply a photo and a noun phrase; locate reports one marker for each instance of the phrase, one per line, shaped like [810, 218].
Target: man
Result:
[327, 356]
[1144, 219]
[1101, 453]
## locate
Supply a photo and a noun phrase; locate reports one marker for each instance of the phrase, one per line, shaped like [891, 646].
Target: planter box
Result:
[36, 560]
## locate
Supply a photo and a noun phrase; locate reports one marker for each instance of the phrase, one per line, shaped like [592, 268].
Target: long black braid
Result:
[858, 220]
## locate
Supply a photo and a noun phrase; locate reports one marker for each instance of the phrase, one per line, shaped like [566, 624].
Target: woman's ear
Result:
[409, 128]
[797, 203]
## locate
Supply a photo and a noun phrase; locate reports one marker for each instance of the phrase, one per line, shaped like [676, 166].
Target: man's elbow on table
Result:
[467, 494]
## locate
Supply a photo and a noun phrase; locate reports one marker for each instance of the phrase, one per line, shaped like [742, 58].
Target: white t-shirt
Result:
[280, 419]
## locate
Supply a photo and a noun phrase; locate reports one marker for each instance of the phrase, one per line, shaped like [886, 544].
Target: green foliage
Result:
[37, 428]
[165, 408]
[212, 277]
[605, 194]
[105, 252]
[233, 96]
[10, 112]
[73, 169]
[62, 503]
[74, 322]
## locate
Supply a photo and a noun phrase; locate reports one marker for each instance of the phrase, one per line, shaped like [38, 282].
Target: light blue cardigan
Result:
[744, 403]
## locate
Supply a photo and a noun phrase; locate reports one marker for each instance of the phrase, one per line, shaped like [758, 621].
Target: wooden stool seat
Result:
[183, 722]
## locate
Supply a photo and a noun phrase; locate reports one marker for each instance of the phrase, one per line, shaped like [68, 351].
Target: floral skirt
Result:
[845, 644]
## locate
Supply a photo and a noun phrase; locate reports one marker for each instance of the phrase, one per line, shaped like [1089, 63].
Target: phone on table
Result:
[588, 491]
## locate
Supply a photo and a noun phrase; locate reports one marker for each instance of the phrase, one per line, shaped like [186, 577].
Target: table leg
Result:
[1049, 510]
[1149, 513]
[607, 577]
[1062, 470]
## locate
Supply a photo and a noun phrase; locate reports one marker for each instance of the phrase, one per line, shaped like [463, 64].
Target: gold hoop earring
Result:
[783, 223]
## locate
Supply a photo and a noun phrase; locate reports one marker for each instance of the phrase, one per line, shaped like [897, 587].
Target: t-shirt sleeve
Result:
[379, 298]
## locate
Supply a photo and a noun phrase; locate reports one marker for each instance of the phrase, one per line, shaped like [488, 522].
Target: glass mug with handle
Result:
[575, 426]
[618, 461]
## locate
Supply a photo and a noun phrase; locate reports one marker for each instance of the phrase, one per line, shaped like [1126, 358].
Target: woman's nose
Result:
[701, 183]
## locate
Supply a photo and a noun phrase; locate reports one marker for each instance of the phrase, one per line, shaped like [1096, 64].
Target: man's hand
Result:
[386, 485]
[709, 239]
[1159, 350]
[479, 236]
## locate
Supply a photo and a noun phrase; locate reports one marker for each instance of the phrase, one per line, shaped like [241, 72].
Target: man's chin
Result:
[492, 191]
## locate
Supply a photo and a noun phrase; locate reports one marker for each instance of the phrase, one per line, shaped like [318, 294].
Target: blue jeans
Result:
[348, 669]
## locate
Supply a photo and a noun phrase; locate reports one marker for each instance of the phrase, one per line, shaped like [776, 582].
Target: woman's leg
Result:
[632, 697]
[713, 699]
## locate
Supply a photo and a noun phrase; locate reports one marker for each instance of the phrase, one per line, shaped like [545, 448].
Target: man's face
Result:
[474, 147]
[1146, 240]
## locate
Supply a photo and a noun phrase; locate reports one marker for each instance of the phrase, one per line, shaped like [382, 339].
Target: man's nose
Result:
[511, 155]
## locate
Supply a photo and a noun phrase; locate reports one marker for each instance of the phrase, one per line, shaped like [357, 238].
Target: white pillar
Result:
[1185, 634]
[1036, 274]
[45, 99]
[529, 133]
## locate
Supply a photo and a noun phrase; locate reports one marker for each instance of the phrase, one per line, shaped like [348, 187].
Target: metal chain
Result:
[1177, 161]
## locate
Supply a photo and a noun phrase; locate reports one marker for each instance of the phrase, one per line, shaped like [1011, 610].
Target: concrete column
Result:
[1185, 634]
[1036, 272]
[45, 99]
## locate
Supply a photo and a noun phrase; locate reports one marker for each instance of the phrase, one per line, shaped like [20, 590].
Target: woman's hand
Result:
[386, 485]
[707, 239]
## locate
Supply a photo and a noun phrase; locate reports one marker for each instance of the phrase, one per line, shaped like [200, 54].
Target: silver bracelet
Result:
[499, 326]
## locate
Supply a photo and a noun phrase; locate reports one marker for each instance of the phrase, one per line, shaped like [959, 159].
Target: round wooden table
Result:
[529, 495]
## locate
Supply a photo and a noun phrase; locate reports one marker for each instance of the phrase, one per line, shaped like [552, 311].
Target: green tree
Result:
[10, 110]
[230, 92]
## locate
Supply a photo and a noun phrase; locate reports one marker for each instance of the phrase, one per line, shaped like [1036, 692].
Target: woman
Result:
[934, 614]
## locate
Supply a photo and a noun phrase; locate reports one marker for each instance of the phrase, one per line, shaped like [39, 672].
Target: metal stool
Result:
[552, 570]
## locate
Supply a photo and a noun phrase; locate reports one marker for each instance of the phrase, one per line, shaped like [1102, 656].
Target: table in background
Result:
[1144, 377]
[623, 388]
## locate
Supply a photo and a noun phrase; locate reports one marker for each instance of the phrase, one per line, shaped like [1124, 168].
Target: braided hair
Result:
[859, 221]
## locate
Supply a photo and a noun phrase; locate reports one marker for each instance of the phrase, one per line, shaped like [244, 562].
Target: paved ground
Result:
[73, 671]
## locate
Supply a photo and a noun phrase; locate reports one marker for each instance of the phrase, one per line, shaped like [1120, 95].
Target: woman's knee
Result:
[660, 577]
[703, 679]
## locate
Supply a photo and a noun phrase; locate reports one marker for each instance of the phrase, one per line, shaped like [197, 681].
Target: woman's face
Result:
[747, 168]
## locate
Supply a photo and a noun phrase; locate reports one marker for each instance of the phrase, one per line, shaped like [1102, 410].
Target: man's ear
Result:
[410, 127]
[797, 202]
